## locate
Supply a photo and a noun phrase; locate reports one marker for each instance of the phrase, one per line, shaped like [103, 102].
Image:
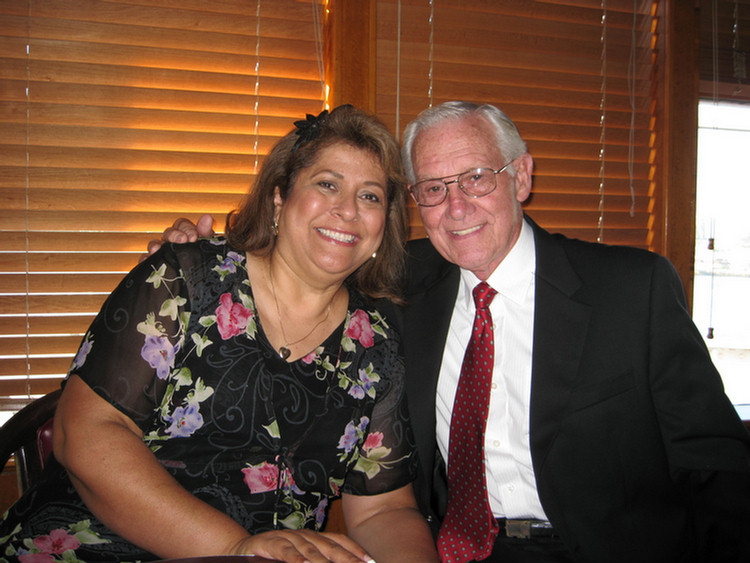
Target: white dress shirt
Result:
[511, 484]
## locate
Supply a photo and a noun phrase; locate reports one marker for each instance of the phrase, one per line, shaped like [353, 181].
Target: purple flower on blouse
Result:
[363, 422]
[348, 438]
[159, 353]
[357, 391]
[351, 434]
[83, 351]
[320, 511]
[185, 421]
[230, 262]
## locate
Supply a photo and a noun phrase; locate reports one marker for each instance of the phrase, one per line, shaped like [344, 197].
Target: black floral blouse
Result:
[178, 347]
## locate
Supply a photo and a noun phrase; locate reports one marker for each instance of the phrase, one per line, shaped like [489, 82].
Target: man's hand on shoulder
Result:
[182, 230]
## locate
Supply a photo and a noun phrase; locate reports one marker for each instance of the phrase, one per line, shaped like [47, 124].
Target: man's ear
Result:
[524, 166]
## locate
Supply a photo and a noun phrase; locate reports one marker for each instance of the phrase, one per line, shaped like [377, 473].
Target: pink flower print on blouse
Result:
[310, 358]
[58, 541]
[231, 318]
[360, 328]
[159, 353]
[335, 488]
[264, 477]
[261, 478]
[184, 421]
[374, 440]
[36, 558]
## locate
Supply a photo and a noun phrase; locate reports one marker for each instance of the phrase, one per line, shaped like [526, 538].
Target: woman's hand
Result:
[301, 546]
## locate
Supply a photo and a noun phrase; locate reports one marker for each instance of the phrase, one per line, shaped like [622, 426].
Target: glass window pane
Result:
[721, 299]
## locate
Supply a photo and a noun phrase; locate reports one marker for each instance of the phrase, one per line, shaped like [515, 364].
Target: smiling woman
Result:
[247, 382]
[335, 213]
[253, 225]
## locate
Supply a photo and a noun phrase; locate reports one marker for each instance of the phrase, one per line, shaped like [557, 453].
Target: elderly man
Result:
[566, 409]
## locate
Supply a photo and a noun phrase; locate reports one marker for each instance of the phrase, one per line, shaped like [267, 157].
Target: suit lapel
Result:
[425, 329]
[560, 325]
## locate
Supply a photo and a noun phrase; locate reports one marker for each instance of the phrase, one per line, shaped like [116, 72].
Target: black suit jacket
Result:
[638, 454]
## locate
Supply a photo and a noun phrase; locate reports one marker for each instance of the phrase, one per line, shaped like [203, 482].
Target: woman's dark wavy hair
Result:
[251, 226]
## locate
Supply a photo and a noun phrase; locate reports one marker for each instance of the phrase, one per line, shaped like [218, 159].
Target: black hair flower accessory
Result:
[308, 129]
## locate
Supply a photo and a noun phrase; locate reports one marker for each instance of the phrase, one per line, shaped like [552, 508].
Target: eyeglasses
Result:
[477, 182]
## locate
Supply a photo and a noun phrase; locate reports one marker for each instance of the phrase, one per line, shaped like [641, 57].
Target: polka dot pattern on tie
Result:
[469, 529]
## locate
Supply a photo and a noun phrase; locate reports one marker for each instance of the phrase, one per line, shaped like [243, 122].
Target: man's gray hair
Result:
[508, 139]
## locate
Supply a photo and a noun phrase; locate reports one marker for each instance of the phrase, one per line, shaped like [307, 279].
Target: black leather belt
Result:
[526, 529]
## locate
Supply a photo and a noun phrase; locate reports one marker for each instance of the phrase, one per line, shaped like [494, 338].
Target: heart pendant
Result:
[284, 352]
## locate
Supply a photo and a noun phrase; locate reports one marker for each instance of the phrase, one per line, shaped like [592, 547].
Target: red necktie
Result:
[469, 529]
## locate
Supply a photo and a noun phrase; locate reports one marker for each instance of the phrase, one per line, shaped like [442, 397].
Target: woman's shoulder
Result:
[199, 259]
[201, 251]
[208, 267]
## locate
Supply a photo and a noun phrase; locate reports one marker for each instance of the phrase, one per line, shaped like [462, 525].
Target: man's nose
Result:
[458, 201]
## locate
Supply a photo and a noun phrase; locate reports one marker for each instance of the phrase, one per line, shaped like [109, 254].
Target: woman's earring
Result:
[275, 228]
[374, 254]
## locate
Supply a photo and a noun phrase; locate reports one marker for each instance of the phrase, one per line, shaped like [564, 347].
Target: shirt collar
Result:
[512, 276]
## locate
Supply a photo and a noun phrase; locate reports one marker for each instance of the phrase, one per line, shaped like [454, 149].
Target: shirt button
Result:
[494, 385]
[496, 443]
[511, 488]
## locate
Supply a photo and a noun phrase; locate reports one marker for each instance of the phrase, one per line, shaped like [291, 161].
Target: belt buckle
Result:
[518, 529]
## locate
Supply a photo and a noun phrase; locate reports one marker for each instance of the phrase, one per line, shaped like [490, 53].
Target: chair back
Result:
[27, 435]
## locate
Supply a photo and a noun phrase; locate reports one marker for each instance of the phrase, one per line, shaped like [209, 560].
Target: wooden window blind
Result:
[116, 118]
[725, 50]
[542, 63]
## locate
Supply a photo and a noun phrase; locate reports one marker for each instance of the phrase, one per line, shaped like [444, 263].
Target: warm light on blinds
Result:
[542, 66]
[117, 117]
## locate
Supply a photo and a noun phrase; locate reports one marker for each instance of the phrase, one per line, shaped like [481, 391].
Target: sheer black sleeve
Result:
[130, 347]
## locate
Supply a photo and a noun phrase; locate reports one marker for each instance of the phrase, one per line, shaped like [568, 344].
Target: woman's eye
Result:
[374, 198]
[326, 185]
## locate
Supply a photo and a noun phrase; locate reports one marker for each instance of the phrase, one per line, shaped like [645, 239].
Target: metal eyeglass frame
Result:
[456, 181]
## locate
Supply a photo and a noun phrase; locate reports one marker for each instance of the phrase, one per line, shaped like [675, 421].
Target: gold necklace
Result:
[284, 351]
